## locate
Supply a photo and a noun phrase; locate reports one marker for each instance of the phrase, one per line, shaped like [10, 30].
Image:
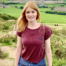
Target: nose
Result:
[30, 14]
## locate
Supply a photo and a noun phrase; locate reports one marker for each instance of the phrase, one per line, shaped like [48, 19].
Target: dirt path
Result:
[6, 62]
[11, 51]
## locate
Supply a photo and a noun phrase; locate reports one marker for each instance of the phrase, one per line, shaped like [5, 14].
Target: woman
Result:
[32, 45]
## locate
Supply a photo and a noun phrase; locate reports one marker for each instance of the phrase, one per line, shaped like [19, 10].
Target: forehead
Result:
[30, 9]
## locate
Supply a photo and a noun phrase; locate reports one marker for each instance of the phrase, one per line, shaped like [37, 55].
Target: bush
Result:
[21, 7]
[56, 12]
[63, 31]
[5, 41]
[7, 17]
[14, 39]
[14, 18]
[5, 27]
[52, 8]
[3, 55]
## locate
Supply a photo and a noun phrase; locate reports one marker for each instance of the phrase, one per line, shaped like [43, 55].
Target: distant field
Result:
[49, 5]
[55, 5]
[47, 18]
[4, 0]
[53, 18]
[11, 11]
[18, 5]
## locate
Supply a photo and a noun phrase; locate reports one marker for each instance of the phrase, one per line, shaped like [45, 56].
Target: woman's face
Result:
[30, 14]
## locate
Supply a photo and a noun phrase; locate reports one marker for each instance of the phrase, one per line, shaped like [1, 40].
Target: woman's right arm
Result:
[18, 50]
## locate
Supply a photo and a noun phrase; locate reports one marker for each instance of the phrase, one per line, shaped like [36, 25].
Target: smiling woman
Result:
[31, 14]
[32, 44]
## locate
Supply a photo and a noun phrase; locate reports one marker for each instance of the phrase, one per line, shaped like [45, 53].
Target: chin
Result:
[30, 20]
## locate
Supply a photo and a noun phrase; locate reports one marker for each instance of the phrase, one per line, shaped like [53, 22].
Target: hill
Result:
[37, 1]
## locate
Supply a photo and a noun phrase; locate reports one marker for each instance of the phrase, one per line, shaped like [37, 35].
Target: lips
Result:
[30, 17]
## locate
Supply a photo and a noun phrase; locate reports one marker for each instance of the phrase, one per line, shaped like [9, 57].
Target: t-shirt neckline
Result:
[34, 29]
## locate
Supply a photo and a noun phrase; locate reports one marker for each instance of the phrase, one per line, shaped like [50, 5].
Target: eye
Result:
[27, 12]
[33, 11]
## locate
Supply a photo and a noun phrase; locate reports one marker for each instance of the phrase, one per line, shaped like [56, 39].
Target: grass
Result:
[58, 47]
[11, 11]
[4, 0]
[55, 5]
[18, 5]
[3, 55]
[47, 18]
[53, 18]
[6, 23]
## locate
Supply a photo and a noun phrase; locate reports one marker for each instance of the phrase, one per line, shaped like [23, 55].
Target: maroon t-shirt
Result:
[33, 40]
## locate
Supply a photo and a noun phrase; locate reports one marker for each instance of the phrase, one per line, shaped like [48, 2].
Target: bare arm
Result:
[18, 50]
[48, 52]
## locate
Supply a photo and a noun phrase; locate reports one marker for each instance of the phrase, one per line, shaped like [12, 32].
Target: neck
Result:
[32, 24]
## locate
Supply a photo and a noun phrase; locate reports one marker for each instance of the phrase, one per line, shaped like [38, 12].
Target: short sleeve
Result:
[18, 33]
[48, 32]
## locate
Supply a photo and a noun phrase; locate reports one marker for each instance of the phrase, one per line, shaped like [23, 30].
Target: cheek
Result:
[26, 16]
[35, 14]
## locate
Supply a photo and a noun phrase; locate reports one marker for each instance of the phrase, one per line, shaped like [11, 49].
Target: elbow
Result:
[18, 50]
[48, 51]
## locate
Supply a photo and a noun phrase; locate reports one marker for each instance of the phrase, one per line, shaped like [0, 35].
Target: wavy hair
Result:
[22, 21]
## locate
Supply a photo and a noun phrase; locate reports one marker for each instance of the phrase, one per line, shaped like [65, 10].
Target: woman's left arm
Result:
[48, 52]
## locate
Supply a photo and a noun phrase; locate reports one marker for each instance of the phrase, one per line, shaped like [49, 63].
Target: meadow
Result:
[47, 18]
[58, 38]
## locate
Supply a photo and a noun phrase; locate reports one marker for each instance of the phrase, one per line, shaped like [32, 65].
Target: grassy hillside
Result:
[11, 11]
[47, 18]
[55, 5]
[4, 0]
[58, 40]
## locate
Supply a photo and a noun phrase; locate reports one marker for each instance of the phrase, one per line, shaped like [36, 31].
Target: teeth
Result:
[30, 17]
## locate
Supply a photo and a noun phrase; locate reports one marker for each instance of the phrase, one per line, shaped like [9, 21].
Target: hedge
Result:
[7, 17]
[56, 12]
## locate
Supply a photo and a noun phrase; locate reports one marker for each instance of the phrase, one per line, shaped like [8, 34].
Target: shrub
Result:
[56, 12]
[21, 7]
[5, 17]
[13, 38]
[5, 27]
[63, 31]
[5, 40]
[14, 18]
[3, 55]
[52, 8]
[55, 32]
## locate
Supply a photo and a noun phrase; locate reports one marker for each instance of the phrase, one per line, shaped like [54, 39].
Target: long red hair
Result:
[22, 21]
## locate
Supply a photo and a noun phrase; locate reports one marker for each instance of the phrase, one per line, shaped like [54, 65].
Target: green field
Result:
[18, 5]
[11, 11]
[47, 18]
[53, 18]
[55, 5]
[4, 0]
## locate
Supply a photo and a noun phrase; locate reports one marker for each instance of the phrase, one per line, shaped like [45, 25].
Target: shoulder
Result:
[18, 33]
[48, 31]
[46, 27]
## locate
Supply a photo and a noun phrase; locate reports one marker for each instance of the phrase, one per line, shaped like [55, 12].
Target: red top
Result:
[33, 40]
